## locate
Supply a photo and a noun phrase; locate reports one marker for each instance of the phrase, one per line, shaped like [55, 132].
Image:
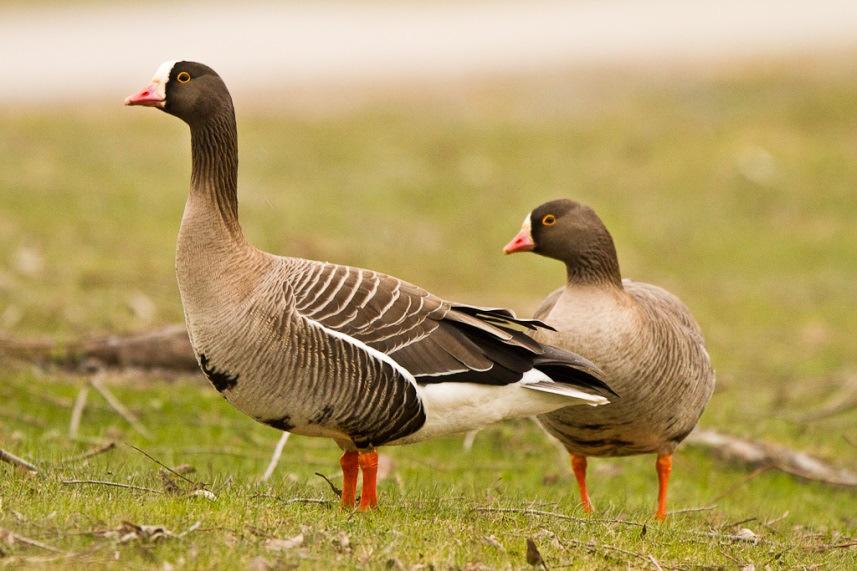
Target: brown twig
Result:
[119, 407]
[845, 545]
[832, 409]
[333, 487]
[275, 457]
[693, 510]
[11, 536]
[556, 515]
[77, 411]
[15, 460]
[771, 522]
[595, 547]
[114, 484]
[164, 466]
[24, 419]
[106, 447]
[295, 500]
[733, 524]
[731, 489]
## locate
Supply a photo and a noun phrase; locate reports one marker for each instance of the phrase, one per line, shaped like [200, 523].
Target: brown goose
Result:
[321, 349]
[642, 337]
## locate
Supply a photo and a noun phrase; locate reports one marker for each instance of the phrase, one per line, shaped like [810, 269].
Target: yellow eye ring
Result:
[548, 220]
[183, 77]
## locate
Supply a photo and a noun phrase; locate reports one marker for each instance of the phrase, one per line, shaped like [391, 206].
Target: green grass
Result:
[427, 499]
[736, 193]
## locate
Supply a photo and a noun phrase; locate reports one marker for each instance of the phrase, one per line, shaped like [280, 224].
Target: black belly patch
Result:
[323, 415]
[283, 423]
[602, 443]
[222, 380]
[680, 436]
[590, 426]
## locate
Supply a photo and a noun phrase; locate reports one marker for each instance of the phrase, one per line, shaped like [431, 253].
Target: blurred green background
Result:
[733, 187]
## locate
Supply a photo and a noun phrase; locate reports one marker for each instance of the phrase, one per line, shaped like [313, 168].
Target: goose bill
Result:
[522, 242]
[151, 96]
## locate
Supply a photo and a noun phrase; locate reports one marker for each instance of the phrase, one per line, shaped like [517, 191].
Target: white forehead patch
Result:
[162, 76]
[527, 224]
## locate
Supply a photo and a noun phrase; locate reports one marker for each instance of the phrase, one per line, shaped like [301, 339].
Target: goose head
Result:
[570, 232]
[191, 91]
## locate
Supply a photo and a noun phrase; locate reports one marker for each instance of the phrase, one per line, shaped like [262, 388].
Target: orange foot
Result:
[578, 466]
[349, 478]
[664, 466]
[369, 466]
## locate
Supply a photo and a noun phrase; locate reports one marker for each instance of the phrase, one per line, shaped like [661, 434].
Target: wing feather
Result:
[434, 340]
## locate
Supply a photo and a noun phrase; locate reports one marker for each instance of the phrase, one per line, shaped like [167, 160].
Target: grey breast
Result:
[659, 367]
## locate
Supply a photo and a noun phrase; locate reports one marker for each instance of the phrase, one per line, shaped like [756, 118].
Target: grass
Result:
[429, 497]
[735, 192]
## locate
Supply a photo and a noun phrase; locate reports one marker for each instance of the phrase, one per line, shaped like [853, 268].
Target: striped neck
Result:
[597, 265]
[214, 149]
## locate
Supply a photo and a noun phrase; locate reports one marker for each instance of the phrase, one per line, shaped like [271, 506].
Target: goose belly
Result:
[305, 381]
[658, 404]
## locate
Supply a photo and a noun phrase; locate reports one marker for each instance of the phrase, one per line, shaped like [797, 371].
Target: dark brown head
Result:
[572, 233]
[191, 91]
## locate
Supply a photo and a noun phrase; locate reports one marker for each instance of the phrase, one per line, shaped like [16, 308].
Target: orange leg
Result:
[369, 466]
[664, 466]
[349, 478]
[578, 465]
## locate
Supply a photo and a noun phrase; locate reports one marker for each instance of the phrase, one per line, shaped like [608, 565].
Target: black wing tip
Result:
[579, 369]
[501, 315]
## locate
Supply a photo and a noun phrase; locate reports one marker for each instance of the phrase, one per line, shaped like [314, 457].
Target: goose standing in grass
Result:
[321, 349]
[643, 338]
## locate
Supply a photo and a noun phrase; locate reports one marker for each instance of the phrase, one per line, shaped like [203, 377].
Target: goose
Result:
[327, 350]
[642, 336]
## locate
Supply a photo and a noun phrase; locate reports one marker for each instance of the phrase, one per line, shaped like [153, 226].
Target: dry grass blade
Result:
[16, 461]
[106, 447]
[556, 515]
[113, 484]
[694, 510]
[77, 411]
[275, 458]
[120, 408]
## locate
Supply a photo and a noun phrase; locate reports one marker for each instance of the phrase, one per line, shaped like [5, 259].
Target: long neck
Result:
[214, 148]
[597, 264]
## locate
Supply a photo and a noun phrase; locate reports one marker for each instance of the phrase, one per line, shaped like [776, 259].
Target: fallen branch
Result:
[165, 348]
[763, 455]
[11, 537]
[119, 407]
[106, 483]
[275, 458]
[16, 461]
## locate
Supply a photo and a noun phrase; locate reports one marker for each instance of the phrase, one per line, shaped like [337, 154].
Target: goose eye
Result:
[549, 220]
[183, 77]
